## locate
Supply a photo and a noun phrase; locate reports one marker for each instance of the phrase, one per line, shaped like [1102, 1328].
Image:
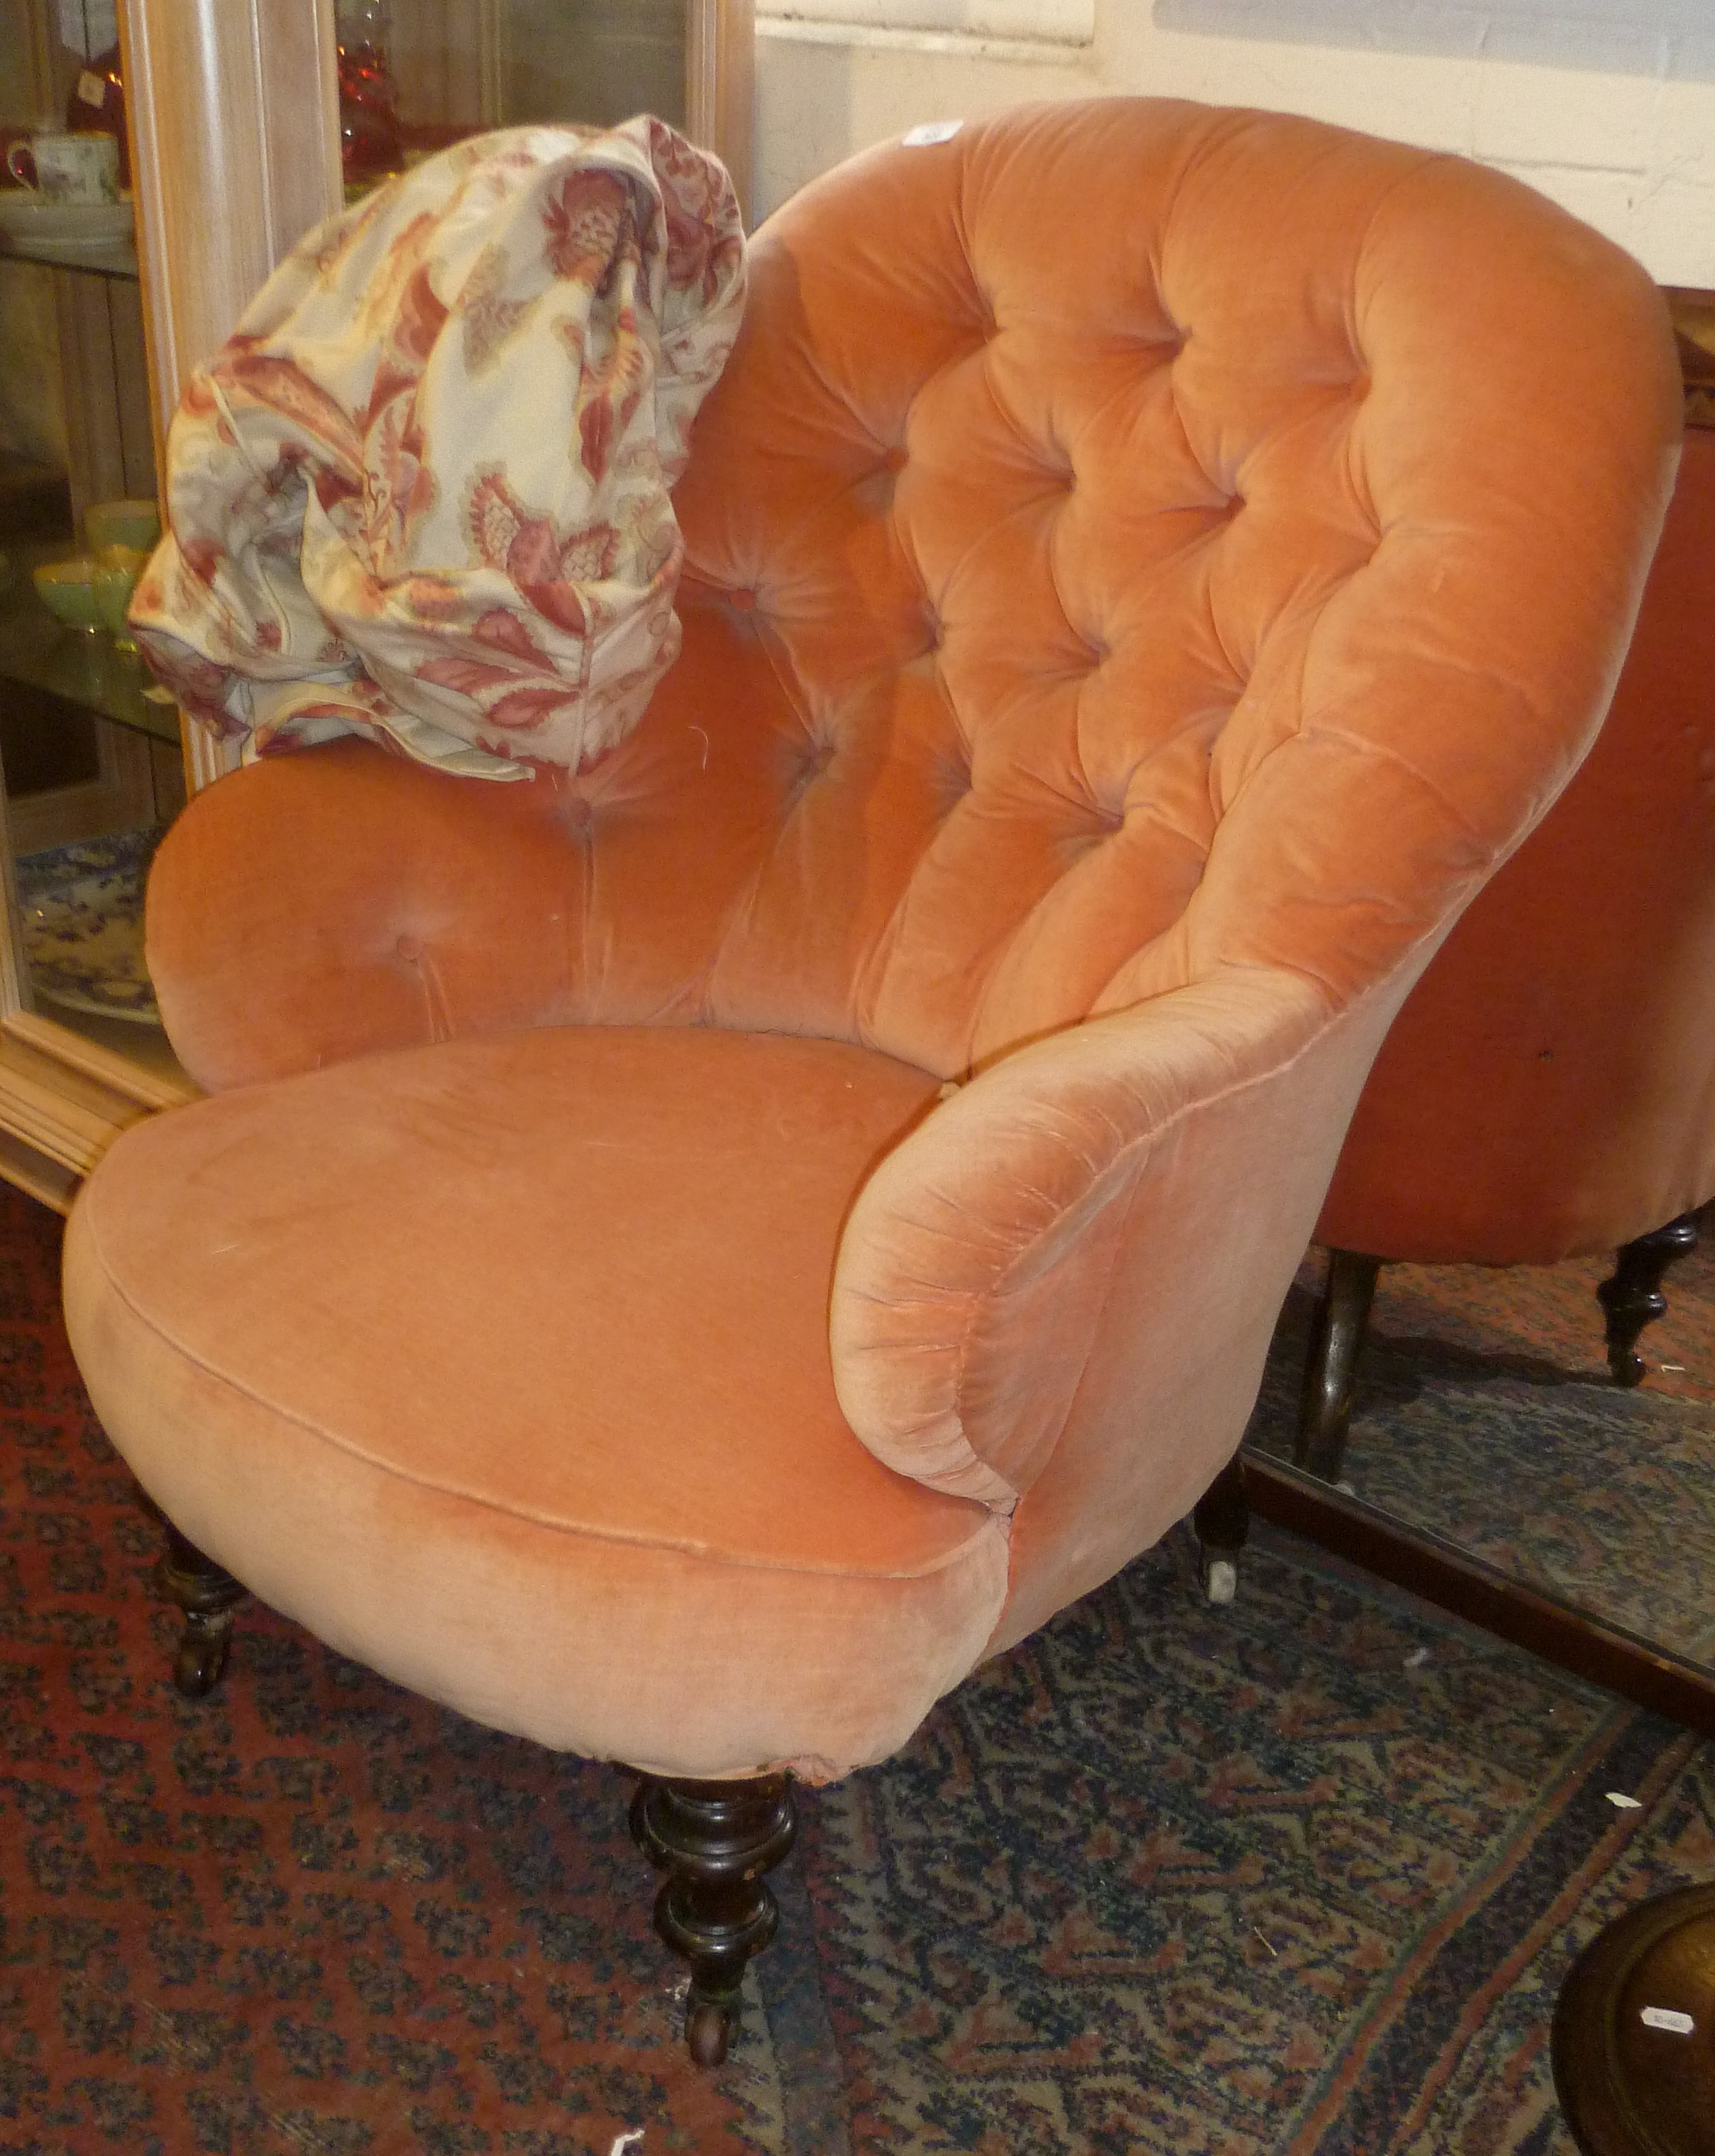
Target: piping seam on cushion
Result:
[983, 1526]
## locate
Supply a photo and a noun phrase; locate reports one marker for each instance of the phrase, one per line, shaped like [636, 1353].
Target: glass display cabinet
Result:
[275, 111]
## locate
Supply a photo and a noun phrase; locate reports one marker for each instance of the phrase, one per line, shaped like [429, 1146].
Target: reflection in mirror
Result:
[1484, 1412]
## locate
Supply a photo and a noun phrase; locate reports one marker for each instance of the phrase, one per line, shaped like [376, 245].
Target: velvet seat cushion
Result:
[503, 1366]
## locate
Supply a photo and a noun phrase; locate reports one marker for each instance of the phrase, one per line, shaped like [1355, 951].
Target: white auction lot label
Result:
[1666, 2017]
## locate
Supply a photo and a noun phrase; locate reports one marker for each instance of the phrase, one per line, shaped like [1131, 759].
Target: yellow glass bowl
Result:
[67, 591]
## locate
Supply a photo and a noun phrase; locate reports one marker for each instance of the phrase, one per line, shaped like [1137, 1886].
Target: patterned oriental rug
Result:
[1300, 1876]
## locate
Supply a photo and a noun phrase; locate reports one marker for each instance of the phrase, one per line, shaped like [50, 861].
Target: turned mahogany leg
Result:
[1633, 1296]
[1222, 1525]
[714, 1840]
[1330, 1367]
[208, 1595]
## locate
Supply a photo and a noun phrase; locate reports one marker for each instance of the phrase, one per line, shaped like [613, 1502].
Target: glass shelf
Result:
[117, 258]
[85, 666]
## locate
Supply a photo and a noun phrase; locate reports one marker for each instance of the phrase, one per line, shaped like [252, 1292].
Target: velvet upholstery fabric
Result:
[1136, 594]
[1548, 1090]
[639, 1508]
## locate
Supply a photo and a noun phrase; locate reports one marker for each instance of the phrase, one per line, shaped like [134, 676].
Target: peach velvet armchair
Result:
[1548, 1090]
[681, 1262]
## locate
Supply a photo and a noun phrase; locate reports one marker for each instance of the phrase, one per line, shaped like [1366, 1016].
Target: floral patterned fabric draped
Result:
[423, 492]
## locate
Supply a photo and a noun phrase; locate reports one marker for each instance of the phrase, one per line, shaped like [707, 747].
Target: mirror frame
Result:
[1454, 1578]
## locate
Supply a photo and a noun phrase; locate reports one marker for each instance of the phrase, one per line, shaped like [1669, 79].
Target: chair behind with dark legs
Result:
[1548, 1090]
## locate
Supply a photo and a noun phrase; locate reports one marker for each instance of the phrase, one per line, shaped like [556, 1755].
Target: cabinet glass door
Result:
[416, 74]
[90, 748]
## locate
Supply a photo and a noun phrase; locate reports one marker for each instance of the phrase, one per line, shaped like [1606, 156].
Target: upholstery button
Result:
[953, 781]
[743, 601]
[409, 949]
[579, 813]
[895, 460]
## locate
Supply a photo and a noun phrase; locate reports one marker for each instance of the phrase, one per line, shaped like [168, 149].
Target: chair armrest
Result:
[1089, 1222]
[339, 900]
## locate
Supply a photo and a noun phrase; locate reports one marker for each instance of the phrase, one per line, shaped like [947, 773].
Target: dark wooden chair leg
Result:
[1330, 1367]
[714, 1840]
[1633, 1296]
[1222, 1525]
[208, 1595]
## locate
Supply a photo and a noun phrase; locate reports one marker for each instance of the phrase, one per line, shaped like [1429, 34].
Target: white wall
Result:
[1632, 153]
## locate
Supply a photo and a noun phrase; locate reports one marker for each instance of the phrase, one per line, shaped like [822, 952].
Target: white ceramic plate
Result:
[83, 925]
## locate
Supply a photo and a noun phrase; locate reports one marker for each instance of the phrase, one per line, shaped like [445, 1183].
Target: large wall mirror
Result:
[1492, 1444]
[1493, 1465]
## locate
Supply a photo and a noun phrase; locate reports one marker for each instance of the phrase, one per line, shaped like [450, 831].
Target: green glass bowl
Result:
[122, 524]
[114, 583]
[67, 591]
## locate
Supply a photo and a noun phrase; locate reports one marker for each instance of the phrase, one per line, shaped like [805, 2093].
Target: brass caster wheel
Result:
[199, 1663]
[708, 2030]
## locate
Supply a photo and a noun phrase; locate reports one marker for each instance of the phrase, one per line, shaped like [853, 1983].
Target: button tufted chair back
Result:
[1083, 491]
[1128, 539]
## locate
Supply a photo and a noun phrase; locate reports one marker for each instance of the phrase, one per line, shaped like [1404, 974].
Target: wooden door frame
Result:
[720, 85]
[235, 102]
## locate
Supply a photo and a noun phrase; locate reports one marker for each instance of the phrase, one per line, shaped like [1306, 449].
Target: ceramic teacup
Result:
[66, 167]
